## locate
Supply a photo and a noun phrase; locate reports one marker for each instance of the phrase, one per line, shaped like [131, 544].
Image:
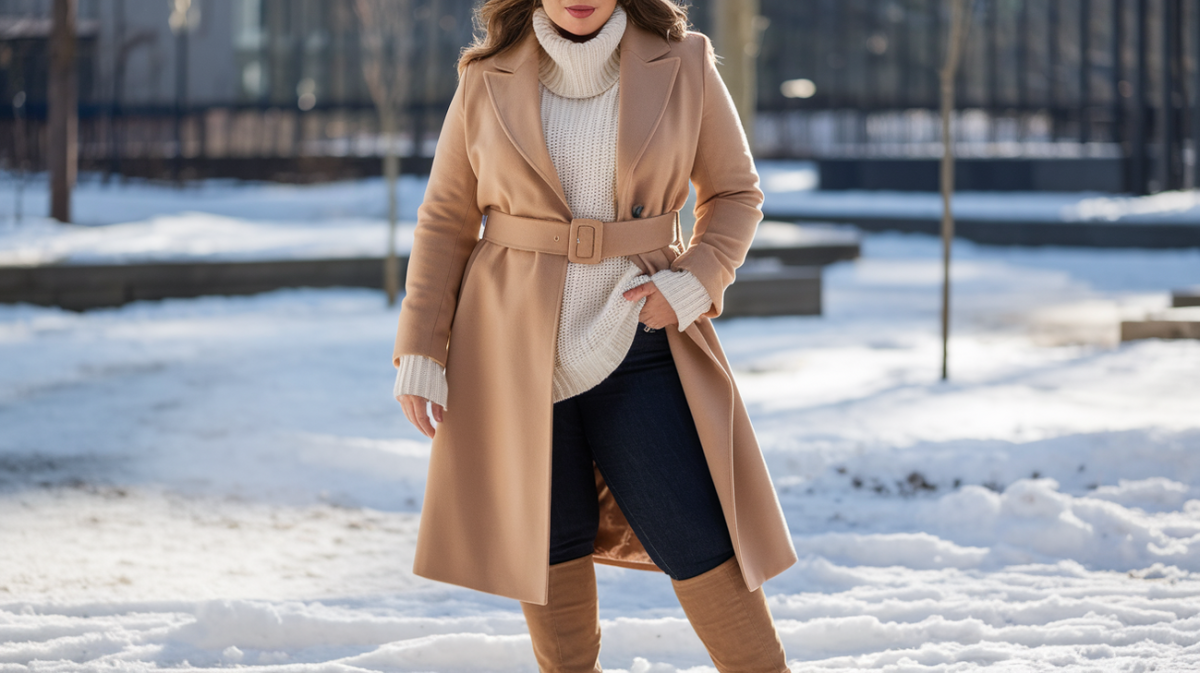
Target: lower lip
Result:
[581, 12]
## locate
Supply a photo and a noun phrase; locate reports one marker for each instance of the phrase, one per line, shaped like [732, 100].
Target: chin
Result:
[577, 27]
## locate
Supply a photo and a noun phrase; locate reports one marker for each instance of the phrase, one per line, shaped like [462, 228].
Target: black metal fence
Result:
[249, 141]
[1112, 80]
[1039, 78]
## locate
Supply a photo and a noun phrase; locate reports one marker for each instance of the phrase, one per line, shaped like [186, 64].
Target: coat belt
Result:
[583, 241]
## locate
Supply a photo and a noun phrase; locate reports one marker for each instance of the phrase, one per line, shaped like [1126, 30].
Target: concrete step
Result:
[761, 289]
[804, 245]
[79, 287]
[1174, 323]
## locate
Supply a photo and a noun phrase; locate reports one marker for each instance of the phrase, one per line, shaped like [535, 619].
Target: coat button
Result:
[637, 211]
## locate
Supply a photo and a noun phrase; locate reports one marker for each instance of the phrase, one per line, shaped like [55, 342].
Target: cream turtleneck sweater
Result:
[579, 106]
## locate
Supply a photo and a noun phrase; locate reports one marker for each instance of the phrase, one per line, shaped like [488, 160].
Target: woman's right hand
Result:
[415, 411]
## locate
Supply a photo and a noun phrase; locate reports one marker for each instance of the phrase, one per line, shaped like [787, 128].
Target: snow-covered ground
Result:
[226, 481]
[791, 188]
[209, 220]
[224, 220]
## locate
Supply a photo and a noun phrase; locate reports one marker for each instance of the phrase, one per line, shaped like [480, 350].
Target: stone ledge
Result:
[79, 287]
[1184, 298]
[790, 290]
[1172, 323]
[1159, 329]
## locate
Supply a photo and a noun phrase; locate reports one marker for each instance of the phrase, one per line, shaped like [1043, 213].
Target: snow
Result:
[792, 190]
[140, 221]
[221, 482]
[197, 237]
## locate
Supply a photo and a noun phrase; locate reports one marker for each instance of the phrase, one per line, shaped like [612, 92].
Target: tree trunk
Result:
[737, 25]
[64, 115]
[391, 172]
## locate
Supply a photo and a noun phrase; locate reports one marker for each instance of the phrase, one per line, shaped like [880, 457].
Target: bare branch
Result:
[386, 34]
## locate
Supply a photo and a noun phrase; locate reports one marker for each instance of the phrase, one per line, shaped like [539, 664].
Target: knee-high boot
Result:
[566, 630]
[734, 624]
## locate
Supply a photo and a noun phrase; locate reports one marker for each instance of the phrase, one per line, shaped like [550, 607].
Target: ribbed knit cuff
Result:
[684, 293]
[418, 375]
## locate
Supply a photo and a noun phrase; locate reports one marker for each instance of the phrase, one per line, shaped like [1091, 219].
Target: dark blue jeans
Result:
[637, 428]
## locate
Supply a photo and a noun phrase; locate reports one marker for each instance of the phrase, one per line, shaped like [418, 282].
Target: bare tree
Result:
[960, 18]
[125, 45]
[386, 34]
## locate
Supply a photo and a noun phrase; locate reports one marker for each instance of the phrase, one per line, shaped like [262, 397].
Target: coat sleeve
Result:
[447, 230]
[728, 198]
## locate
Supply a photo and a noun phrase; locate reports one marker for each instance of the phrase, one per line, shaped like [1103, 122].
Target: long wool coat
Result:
[490, 313]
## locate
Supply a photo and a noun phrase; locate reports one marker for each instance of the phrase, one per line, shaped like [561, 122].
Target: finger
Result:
[410, 410]
[662, 315]
[644, 290]
[406, 405]
[423, 421]
[437, 412]
[650, 320]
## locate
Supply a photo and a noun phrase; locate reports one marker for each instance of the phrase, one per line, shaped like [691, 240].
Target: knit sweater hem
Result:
[605, 348]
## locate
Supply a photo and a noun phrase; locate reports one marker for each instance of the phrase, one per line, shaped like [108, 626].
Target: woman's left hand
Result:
[656, 312]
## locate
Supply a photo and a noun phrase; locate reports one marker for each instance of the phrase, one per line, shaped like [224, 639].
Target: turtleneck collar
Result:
[579, 69]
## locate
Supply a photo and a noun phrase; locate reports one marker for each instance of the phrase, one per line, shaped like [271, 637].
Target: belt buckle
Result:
[586, 242]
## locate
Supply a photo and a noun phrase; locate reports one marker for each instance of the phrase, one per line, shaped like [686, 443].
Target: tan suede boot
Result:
[566, 630]
[734, 624]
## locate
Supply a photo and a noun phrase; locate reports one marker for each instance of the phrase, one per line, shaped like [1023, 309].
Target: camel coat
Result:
[489, 313]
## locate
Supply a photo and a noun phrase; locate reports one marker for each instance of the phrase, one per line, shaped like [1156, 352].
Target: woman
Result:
[585, 409]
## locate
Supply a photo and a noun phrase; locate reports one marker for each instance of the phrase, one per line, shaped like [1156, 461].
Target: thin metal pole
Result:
[933, 8]
[991, 34]
[19, 160]
[1195, 130]
[956, 36]
[1085, 93]
[874, 77]
[830, 81]
[1118, 134]
[1138, 163]
[992, 65]
[181, 50]
[1052, 74]
[1023, 56]
[1166, 119]
[1179, 96]
[118, 86]
[903, 97]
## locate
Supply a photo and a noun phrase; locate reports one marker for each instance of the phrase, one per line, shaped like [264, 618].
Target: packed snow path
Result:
[226, 482]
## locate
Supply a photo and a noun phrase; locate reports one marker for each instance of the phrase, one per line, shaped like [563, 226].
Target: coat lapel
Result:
[513, 88]
[646, 83]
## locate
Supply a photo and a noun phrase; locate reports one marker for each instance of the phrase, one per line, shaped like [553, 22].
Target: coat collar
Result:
[646, 81]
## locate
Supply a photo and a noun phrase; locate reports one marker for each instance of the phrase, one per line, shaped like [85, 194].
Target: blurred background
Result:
[206, 208]
[1052, 94]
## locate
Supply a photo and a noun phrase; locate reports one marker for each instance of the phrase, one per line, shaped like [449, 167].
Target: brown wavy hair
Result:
[504, 22]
